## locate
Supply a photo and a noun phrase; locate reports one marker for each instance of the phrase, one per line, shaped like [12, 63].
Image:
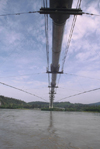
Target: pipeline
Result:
[58, 23]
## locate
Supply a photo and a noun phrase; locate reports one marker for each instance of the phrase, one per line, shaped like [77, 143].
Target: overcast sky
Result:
[23, 53]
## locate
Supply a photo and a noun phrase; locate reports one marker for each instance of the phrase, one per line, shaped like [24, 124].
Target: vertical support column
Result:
[51, 103]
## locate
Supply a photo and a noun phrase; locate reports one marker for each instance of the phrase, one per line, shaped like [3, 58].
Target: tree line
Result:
[11, 103]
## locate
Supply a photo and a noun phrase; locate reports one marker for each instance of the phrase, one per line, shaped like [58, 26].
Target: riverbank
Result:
[11, 103]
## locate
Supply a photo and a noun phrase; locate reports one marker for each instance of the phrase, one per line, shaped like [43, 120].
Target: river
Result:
[35, 129]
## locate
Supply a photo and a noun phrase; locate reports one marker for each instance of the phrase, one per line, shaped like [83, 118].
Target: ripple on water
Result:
[30, 129]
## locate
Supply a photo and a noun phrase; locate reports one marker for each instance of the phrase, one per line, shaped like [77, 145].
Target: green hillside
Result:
[65, 106]
[11, 103]
[6, 102]
[96, 104]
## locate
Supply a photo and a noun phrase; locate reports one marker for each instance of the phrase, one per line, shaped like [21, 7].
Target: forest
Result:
[11, 103]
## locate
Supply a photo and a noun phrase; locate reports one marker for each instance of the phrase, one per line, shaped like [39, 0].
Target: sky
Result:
[23, 60]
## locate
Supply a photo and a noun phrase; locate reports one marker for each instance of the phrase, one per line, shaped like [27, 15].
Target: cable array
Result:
[69, 39]
[78, 4]
[81, 76]
[22, 90]
[91, 14]
[45, 73]
[47, 39]
[80, 93]
[47, 48]
[29, 12]
[22, 75]
[70, 34]
[68, 89]
[20, 13]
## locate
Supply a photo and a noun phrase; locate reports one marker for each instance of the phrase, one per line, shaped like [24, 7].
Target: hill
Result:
[6, 102]
[38, 104]
[96, 104]
[12, 103]
[65, 106]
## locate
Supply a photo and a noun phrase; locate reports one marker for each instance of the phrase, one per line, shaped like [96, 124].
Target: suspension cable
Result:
[79, 4]
[70, 34]
[69, 40]
[47, 41]
[22, 90]
[20, 13]
[80, 93]
[70, 37]
[81, 76]
[91, 14]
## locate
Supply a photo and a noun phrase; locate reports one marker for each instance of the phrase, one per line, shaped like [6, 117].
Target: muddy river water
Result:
[35, 129]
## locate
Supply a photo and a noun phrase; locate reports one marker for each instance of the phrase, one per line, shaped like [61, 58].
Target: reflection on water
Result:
[32, 129]
[51, 120]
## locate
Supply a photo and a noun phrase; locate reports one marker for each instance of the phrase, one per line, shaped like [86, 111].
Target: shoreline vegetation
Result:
[11, 103]
[88, 109]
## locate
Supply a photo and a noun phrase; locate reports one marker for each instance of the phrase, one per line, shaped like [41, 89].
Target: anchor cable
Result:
[21, 90]
[80, 93]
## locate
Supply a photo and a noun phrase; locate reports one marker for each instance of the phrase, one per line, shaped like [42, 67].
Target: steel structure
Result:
[57, 36]
[59, 11]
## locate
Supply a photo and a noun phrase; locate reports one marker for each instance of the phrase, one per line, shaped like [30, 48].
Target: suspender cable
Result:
[70, 34]
[70, 37]
[47, 42]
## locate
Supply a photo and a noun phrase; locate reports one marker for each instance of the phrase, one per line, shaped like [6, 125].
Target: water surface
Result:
[34, 129]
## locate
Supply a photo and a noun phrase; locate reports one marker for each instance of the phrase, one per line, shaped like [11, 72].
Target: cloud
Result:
[3, 5]
[23, 51]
